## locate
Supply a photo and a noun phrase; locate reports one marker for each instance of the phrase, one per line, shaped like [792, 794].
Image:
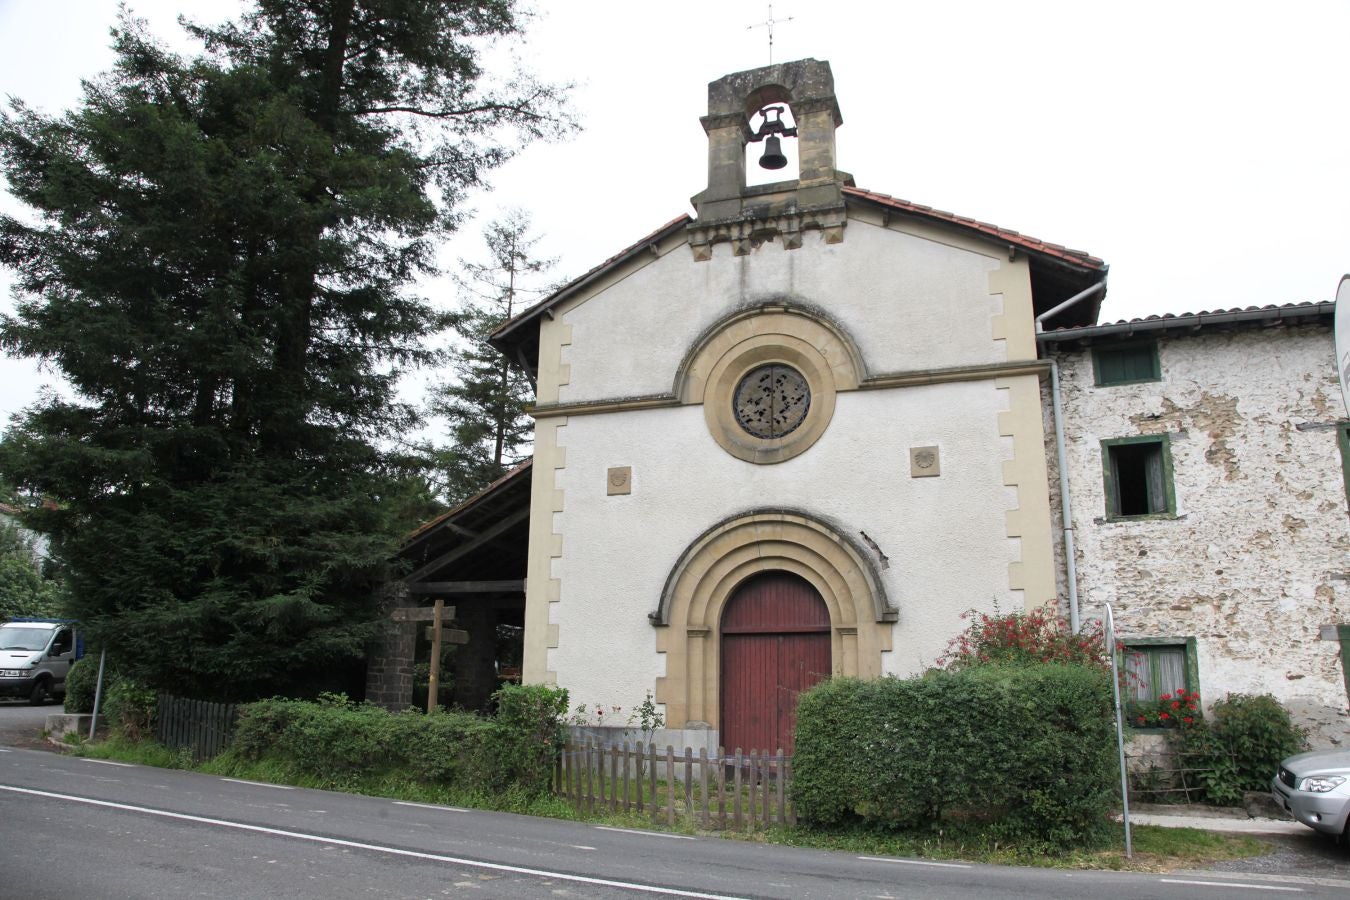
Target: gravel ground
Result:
[1296, 850]
[21, 725]
[1310, 855]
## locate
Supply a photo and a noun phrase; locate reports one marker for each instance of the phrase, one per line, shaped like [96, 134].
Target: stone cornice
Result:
[615, 404]
[747, 231]
[1038, 367]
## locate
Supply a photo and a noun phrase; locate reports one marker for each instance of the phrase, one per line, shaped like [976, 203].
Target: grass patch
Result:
[1156, 849]
[1170, 848]
[144, 753]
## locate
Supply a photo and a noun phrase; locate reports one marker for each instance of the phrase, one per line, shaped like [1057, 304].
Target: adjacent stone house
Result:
[1206, 457]
[801, 432]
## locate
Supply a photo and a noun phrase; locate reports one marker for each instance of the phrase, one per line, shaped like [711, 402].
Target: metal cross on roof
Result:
[769, 23]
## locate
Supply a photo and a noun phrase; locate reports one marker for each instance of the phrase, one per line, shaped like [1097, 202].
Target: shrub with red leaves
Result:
[1036, 636]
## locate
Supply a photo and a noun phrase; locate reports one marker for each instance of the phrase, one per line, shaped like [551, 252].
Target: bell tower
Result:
[728, 210]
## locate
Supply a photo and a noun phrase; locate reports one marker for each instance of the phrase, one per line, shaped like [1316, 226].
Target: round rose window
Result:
[772, 401]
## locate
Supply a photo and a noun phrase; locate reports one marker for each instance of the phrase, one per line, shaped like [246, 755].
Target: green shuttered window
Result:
[1126, 363]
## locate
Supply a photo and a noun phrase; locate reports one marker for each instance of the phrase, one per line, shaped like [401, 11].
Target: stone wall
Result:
[1254, 561]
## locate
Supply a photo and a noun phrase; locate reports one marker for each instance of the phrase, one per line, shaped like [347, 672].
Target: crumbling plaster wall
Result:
[1255, 560]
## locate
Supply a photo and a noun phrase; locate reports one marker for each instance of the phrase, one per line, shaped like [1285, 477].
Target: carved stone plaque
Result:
[619, 480]
[924, 462]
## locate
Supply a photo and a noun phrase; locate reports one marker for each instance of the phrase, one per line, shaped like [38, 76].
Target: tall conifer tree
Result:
[485, 405]
[221, 271]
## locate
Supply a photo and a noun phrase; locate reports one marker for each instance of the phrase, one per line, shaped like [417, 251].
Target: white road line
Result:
[431, 806]
[108, 762]
[357, 845]
[676, 837]
[3, 750]
[916, 862]
[279, 787]
[1232, 884]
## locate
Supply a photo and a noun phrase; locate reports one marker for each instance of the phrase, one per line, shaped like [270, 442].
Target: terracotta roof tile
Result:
[1208, 317]
[1269, 307]
[1076, 257]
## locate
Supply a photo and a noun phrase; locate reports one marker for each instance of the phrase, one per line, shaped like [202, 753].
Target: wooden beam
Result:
[464, 549]
[419, 613]
[460, 530]
[437, 632]
[463, 588]
[448, 635]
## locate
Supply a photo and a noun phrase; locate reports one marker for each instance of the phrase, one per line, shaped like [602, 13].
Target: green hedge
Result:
[1239, 746]
[80, 683]
[333, 740]
[1026, 753]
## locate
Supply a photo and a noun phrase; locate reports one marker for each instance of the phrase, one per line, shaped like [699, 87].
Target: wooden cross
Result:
[436, 631]
[769, 23]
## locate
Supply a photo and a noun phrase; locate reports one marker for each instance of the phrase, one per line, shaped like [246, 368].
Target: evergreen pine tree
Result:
[25, 590]
[221, 269]
[485, 405]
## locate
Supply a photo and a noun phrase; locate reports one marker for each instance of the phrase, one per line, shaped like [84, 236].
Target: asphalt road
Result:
[77, 827]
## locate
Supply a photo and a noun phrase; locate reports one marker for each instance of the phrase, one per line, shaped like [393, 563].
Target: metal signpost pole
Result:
[98, 691]
[1109, 636]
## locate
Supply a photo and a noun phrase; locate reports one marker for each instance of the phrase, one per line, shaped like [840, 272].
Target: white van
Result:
[35, 655]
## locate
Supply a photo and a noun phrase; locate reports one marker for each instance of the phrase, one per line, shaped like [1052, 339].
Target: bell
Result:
[773, 157]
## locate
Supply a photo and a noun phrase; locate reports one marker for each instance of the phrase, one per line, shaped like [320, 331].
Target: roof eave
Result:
[459, 509]
[514, 333]
[1292, 312]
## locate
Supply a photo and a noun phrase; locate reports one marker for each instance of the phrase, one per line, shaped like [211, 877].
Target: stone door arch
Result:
[707, 574]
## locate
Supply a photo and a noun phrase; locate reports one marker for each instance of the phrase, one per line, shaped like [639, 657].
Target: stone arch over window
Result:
[710, 570]
[800, 339]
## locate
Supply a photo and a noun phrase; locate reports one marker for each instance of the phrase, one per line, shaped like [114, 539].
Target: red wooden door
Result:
[775, 639]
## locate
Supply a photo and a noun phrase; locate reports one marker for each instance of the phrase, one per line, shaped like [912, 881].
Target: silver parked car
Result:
[1315, 788]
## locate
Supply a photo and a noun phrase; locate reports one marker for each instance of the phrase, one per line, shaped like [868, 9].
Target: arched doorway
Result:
[775, 640]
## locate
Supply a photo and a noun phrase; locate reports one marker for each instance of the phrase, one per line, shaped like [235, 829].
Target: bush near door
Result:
[1024, 752]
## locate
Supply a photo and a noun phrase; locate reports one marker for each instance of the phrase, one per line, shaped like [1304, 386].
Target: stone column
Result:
[389, 660]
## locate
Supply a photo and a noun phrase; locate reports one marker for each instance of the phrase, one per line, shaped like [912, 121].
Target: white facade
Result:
[629, 341]
[909, 302]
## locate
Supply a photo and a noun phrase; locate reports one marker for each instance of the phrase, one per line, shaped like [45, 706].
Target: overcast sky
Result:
[1201, 148]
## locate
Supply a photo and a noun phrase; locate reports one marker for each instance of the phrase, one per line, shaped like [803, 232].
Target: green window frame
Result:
[1158, 665]
[1137, 476]
[1131, 362]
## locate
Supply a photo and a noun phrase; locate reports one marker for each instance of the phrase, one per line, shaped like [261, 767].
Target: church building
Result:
[801, 432]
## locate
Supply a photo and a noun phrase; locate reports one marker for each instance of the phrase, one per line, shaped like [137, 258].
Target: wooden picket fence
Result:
[203, 727]
[737, 790]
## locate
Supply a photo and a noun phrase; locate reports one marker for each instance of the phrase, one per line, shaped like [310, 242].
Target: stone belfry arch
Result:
[728, 210]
